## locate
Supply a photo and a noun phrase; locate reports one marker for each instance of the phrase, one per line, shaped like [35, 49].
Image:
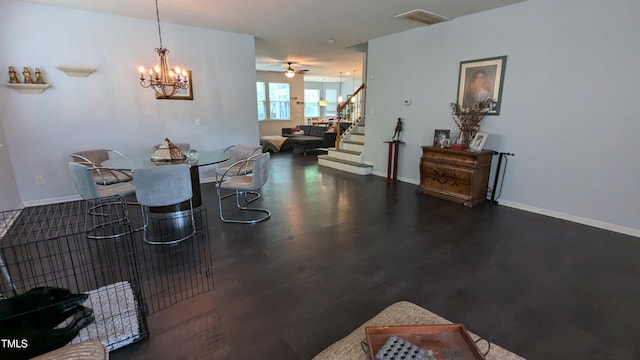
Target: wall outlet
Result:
[198, 121]
[39, 180]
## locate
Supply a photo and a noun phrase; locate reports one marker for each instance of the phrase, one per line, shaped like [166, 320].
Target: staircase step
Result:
[353, 142]
[352, 146]
[350, 152]
[359, 138]
[344, 165]
[348, 155]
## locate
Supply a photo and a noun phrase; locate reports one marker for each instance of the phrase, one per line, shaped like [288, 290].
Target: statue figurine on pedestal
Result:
[39, 78]
[13, 76]
[27, 75]
[396, 134]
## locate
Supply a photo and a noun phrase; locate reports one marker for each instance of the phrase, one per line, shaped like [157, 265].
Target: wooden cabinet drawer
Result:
[446, 178]
[451, 158]
[459, 176]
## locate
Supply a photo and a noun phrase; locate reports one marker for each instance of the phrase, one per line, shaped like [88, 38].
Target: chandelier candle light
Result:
[162, 78]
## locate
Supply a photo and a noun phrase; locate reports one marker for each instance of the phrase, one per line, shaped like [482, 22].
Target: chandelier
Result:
[162, 78]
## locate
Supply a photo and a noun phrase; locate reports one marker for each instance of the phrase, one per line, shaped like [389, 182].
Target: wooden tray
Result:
[446, 341]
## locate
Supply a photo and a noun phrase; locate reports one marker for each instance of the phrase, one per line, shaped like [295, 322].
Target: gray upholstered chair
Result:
[94, 158]
[235, 166]
[164, 186]
[243, 184]
[237, 153]
[109, 217]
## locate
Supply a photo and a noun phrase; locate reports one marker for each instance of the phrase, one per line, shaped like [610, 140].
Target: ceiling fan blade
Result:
[301, 71]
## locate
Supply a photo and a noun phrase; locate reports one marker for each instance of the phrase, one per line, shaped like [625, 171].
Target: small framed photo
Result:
[444, 143]
[439, 136]
[182, 94]
[478, 141]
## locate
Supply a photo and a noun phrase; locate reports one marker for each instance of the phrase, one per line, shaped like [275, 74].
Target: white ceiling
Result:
[292, 30]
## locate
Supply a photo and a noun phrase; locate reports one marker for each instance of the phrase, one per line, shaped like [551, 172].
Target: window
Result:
[331, 95]
[278, 106]
[262, 98]
[311, 106]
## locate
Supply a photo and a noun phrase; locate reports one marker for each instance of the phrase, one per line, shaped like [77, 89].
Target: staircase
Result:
[348, 154]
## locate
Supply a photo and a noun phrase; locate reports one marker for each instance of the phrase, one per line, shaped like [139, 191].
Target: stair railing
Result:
[351, 110]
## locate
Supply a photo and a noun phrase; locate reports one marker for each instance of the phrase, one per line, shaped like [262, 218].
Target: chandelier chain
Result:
[158, 18]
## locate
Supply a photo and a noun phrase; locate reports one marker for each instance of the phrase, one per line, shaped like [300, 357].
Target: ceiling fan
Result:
[290, 72]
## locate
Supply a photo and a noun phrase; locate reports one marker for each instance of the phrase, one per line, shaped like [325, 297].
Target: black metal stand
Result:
[497, 176]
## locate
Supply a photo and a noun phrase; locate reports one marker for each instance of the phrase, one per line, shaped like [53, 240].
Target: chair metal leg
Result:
[256, 194]
[110, 229]
[238, 194]
[169, 224]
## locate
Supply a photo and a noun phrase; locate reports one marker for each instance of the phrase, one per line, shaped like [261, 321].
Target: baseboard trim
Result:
[573, 218]
[401, 179]
[51, 200]
[207, 180]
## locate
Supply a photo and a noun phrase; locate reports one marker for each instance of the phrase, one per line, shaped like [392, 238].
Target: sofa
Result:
[312, 137]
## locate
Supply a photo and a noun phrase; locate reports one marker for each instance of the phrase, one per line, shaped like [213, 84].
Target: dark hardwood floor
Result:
[340, 247]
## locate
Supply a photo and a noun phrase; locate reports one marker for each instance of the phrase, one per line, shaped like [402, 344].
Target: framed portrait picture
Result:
[439, 135]
[182, 94]
[478, 141]
[481, 80]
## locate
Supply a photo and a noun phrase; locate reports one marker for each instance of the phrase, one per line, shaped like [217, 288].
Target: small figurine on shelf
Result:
[39, 78]
[396, 134]
[13, 76]
[27, 75]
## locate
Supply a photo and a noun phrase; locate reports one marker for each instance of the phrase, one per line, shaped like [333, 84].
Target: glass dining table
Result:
[131, 163]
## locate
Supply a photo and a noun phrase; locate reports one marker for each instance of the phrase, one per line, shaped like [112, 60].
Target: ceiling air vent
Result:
[423, 16]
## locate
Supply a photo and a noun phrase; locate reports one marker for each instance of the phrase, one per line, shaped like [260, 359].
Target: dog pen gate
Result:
[88, 246]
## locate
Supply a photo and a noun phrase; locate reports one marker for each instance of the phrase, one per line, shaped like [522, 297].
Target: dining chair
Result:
[109, 215]
[241, 185]
[236, 154]
[94, 158]
[235, 166]
[165, 186]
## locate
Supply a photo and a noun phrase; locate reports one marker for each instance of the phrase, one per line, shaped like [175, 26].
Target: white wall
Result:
[109, 109]
[9, 197]
[570, 87]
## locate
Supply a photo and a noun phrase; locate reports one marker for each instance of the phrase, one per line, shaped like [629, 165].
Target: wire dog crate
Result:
[72, 246]
[89, 247]
[176, 272]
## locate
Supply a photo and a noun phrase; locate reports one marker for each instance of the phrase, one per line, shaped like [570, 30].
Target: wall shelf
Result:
[28, 88]
[76, 71]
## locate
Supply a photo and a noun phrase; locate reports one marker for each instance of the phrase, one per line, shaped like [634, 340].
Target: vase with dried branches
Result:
[467, 119]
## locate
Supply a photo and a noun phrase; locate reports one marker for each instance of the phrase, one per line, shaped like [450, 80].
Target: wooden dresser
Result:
[458, 176]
